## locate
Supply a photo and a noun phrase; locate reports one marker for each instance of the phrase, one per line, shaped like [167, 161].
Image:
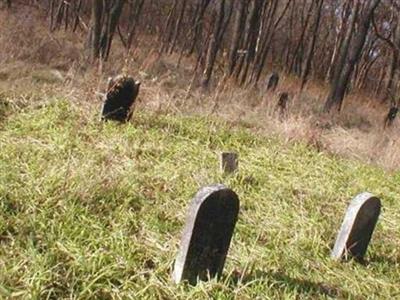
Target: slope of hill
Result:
[91, 210]
[36, 63]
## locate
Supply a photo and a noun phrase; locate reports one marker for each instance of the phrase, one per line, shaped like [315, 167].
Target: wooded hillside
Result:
[351, 44]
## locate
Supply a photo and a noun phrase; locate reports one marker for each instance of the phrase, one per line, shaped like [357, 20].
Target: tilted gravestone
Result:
[119, 99]
[206, 237]
[229, 162]
[357, 227]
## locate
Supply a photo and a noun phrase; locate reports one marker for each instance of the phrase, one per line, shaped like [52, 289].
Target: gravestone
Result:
[119, 99]
[206, 237]
[282, 105]
[357, 227]
[229, 162]
[391, 116]
[272, 82]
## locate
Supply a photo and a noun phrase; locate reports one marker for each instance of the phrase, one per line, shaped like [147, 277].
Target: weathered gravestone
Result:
[207, 234]
[391, 116]
[229, 162]
[357, 227]
[273, 81]
[119, 99]
[282, 105]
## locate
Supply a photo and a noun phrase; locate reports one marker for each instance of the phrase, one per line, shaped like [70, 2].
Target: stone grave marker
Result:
[120, 98]
[282, 105]
[357, 227]
[272, 82]
[229, 162]
[207, 234]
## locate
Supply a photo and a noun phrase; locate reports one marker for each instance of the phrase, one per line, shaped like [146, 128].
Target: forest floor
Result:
[91, 210]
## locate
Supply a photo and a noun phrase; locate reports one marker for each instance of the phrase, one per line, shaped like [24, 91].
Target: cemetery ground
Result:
[96, 210]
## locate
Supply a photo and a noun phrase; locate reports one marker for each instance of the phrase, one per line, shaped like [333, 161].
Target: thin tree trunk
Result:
[237, 36]
[167, 33]
[310, 54]
[109, 30]
[338, 42]
[251, 37]
[214, 45]
[337, 91]
[178, 26]
[301, 39]
[95, 32]
[266, 46]
[135, 19]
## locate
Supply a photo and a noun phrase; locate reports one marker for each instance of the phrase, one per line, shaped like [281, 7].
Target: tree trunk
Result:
[337, 91]
[198, 26]
[214, 46]
[252, 34]
[297, 51]
[310, 54]
[178, 26]
[237, 36]
[266, 46]
[341, 59]
[134, 22]
[109, 29]
[395, 63]
[338, 42]
[95, 31]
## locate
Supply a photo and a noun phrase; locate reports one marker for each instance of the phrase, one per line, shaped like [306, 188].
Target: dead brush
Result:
[168, 89]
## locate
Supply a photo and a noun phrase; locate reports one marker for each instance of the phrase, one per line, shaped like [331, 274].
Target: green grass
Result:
[90, 210]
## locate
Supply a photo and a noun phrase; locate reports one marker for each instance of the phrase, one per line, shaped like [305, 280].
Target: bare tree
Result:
[310, 54]
[215, 44]
[344, 71]
[237, 35]
[331, 40]
[95, 31]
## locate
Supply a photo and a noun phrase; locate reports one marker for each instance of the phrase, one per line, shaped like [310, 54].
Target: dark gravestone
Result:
[391, 116]
[207, 234]
[119, 99]
[282, 105]
[273, 80]
[357, 227]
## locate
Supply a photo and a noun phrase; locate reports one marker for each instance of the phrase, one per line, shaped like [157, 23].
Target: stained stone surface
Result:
[119, 99]
[209, 227]
[229, 162]
[357, 227]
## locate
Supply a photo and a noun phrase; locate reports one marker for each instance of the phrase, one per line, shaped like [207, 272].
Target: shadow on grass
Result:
[381, 259]
[373, 259]
[284, 282]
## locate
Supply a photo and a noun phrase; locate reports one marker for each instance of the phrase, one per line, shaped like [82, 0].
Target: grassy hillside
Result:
[90, 210]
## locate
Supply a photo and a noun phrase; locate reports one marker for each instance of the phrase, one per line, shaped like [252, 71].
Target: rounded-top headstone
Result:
[206, 237]
[357, 227]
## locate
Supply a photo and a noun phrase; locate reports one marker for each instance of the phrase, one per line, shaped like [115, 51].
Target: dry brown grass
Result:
[41, 64]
